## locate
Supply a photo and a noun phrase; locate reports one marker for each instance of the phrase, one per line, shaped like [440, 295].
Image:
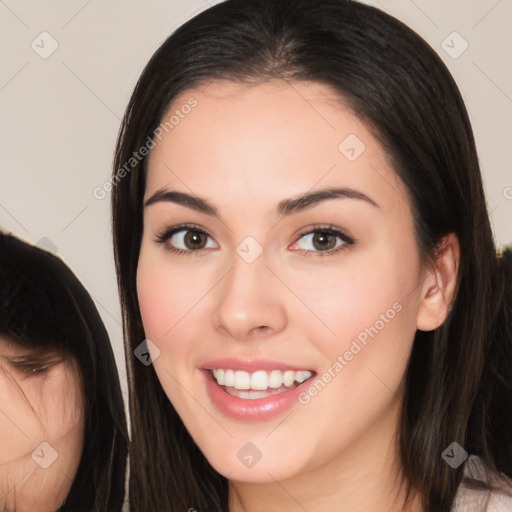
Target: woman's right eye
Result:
[30, 366]
[33, 368]
[185, 239]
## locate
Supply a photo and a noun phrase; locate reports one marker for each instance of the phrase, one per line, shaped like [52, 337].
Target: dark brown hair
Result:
[46, 309]
[458, 384]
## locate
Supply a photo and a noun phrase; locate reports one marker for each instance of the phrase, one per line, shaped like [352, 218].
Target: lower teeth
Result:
[252, 394]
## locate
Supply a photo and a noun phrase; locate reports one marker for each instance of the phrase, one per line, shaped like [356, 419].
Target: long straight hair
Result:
[46, 309]
[458, 386]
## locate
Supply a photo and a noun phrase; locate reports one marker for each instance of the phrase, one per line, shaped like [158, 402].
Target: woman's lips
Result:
[252, 404]
[249, 364]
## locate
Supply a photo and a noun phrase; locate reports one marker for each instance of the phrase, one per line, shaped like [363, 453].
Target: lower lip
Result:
[258, 409]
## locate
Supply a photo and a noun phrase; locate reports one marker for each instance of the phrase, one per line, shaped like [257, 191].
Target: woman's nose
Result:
[250, 301]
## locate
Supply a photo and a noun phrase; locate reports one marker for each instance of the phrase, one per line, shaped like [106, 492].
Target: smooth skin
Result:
[244, 149]
[41, 406]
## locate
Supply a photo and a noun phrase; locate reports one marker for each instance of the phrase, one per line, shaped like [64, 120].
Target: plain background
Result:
[60, 114]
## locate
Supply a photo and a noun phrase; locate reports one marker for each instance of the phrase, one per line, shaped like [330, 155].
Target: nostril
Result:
[261, 328]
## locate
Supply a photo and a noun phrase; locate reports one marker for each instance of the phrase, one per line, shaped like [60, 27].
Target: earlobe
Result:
[439, 285]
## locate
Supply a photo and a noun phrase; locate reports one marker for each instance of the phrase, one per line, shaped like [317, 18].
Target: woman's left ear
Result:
[439, 285]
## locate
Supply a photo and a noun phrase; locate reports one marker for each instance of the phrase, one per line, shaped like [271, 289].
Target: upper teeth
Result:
[260, 379]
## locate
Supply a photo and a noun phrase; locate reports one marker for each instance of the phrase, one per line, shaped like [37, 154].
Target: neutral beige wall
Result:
[60, 114]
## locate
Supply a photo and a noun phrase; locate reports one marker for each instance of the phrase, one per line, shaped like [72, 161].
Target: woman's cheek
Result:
[153, 291]
[351, 305]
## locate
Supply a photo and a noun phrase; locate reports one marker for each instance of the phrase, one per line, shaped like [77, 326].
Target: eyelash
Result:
[324, 229]
[31, 368]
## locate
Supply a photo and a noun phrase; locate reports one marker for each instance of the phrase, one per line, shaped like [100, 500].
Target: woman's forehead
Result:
[282, 136]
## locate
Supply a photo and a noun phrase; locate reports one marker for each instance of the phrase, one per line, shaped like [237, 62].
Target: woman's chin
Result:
[248, 467]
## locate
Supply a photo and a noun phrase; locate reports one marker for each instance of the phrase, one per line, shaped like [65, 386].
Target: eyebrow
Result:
[284, 208]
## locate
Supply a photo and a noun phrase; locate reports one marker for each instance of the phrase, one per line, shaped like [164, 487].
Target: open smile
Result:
[257, 395]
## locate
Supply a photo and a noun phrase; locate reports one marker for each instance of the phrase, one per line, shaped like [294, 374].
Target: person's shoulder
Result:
[499, 502]
[474, 494]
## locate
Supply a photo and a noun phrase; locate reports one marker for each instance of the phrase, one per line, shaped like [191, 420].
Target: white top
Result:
[476, 500]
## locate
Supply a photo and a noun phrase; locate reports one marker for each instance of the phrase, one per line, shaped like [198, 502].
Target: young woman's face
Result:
[261, 295]
[41, 421]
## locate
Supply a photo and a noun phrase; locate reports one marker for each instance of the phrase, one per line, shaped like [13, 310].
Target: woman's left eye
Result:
[324, 241]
